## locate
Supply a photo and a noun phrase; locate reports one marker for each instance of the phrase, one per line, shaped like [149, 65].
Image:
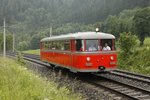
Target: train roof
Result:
[81, 35]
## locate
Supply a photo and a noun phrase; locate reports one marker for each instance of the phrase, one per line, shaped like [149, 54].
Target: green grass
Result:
[33, 51]
[17, 83]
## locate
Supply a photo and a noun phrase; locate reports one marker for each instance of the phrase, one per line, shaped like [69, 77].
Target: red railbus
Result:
[80, 52]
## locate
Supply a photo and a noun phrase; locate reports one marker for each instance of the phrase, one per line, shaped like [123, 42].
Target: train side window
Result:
[57, 45]
[106, 42]
[67, 45]
[61, 45]
[50, 45]
[46, 46]
[79, 45]
[92, 45]
[53, 45]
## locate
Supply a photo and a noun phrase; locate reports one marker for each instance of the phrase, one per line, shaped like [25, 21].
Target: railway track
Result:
[124, 89]
[127, 74]
[117, 87]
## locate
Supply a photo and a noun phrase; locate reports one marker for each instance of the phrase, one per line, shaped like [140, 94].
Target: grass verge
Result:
[17, 83]
[138, 61]
[32, 51]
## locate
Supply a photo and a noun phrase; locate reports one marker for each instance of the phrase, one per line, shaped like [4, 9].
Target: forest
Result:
[30, 20]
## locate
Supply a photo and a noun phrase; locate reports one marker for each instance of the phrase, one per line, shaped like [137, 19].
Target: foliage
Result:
[142, 23]
[9, 42]
[35, 42]
[20, 58]
[147, 42]
[37, 13]
[137, 62]
[127, 43]
[27, 86]
[121, 23]
[23, 46]
[71, 28]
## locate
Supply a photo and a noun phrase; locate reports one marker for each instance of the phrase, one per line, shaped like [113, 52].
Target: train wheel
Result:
[52, 65]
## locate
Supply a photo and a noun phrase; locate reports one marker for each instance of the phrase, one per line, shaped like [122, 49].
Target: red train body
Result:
[73, 51]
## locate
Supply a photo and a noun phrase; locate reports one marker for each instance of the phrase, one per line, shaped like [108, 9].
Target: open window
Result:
[79, 45]
[106, 44]
[67, 45]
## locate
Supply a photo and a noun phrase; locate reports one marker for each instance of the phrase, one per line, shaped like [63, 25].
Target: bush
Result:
[20, 58]
[137, 62]
[133, 59]
[127, 43]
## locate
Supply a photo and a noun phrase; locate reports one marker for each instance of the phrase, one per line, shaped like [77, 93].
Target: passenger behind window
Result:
[92, 48]
[53, 48]
[106, 47]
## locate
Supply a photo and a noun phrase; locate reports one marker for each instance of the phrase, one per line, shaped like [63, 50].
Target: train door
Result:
[78, 47]
[67, 53]
[106, 46]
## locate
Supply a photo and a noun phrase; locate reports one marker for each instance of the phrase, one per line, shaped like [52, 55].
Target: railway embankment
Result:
[18, 83]
[94, 86]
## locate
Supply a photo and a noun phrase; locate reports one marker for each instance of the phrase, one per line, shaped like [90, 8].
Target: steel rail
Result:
[128, 76]
[131, 73]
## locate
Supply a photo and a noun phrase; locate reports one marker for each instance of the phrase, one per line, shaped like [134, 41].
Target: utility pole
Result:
[50, 31]
[4, 45]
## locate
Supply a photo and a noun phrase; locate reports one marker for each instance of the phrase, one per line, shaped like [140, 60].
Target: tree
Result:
[35, 42]
[23, 46]
[9, 42]
[142, 23]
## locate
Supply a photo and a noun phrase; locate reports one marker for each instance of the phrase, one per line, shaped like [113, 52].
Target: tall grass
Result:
[139, 60]
[17, 83]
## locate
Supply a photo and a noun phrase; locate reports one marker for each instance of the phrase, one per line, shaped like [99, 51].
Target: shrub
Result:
[20, 58]
[137, 62]
[127, 43]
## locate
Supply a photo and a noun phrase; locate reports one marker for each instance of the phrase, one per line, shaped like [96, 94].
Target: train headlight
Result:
[88, 59]
[111, 58]
[97, 29]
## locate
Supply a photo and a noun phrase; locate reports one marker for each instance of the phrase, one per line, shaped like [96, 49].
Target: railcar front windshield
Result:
[99, 45]
[92, 45]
